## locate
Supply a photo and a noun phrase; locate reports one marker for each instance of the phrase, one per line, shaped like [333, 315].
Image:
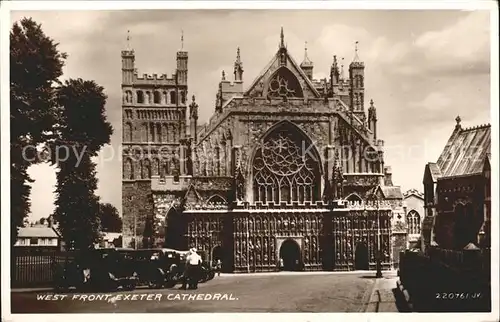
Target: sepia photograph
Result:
[210, 157]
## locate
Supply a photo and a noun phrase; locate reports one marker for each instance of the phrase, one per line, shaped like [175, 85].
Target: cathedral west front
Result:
[288, 173]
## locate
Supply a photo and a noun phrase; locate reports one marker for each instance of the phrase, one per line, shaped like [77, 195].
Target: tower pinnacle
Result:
[307, 65]
[182, 39]
[356, 57]
[306, 61]
[238, 67]
[128, 39]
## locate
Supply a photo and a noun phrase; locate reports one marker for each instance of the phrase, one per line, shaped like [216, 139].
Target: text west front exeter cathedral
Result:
[288, 170]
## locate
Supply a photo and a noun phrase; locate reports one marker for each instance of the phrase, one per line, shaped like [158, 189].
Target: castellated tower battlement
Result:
[154, 79]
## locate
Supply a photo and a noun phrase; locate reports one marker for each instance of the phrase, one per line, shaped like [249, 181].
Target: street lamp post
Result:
[379, 250]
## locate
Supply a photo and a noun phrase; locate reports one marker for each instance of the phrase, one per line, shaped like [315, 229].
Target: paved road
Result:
[273, 292]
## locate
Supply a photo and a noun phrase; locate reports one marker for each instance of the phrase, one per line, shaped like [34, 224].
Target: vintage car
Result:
[156, 268]
[105, 269]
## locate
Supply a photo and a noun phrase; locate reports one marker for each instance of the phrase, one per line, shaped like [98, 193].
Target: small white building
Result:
[37, 237]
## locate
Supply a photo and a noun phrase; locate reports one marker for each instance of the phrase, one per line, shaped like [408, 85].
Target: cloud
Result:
[459, 49]
[433, 101]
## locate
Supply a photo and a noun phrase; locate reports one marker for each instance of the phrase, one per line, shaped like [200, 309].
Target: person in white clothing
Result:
[193, 264]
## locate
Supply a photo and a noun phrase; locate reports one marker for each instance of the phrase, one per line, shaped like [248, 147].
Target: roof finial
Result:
[223, 75]
[356, 57]
[342, 69]
[128, 39]
[282, 38]
[182, 39]
[238, 58]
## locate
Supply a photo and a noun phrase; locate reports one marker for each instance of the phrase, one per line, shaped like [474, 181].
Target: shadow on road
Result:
[368, 276]
[401, 303]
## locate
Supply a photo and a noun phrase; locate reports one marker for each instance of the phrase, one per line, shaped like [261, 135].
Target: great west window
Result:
[286, 167]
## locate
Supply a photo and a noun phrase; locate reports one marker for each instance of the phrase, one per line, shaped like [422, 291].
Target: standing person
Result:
[194, 267]
[218, 266]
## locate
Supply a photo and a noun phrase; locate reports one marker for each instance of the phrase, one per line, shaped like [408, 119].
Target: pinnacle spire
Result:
[342, 69]
[238, 58]
[128, 39]
[356, 56]
[306, 61]
[282, 39]
[182, 39]
[238, 67]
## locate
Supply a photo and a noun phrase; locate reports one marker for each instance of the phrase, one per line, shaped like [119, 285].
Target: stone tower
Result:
[153, 129]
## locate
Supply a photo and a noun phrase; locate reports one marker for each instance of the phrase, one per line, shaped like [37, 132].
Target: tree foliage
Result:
[83, 130]
[35, 66]
[109, 218]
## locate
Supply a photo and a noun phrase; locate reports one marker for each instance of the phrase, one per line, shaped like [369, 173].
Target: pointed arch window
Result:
[413, 220]
[127, 135]
[284, 170]
[146, 169]
[128, 169]
[284, 84]
[157, 97]
[140, 97]
[172, 98]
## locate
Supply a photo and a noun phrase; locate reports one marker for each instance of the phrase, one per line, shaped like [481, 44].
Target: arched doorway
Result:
[361, 257]
[217, 253]
[290, 254]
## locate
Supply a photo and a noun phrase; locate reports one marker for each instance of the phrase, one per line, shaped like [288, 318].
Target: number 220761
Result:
[458, 295]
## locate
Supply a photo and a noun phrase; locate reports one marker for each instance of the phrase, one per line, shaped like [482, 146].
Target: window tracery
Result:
[283, 171]
[413, 220]
[284, 84]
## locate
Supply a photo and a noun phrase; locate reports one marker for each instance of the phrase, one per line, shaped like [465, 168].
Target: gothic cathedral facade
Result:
[287, 174]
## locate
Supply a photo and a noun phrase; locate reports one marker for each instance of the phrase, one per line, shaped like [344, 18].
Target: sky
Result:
[423, 68]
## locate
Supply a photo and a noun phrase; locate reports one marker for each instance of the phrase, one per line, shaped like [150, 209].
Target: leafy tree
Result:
[110, 219]
[83, 130]
[35, 66]
[43, 221]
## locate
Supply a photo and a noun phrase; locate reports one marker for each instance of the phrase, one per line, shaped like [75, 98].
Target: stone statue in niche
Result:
[283, 58]
[240, 185]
